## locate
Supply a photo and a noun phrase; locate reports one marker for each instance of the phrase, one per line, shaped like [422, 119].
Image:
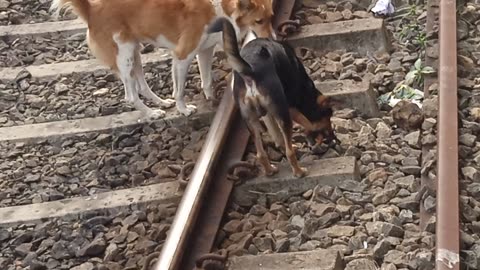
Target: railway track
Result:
[86, 184]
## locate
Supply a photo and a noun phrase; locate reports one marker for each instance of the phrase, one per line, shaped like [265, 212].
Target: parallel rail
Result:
[448, 230]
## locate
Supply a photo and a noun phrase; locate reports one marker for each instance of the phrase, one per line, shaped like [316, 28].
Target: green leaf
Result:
[418, 64]
[410, 77]
[428, 70]
[384, 98]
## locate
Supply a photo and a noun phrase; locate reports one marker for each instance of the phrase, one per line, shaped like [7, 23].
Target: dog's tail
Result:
[80, 7]
[230, 45]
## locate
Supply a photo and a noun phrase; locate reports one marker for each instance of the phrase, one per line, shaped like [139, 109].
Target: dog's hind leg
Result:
[143, 88]
[255, 127]
[125, 64]
[273, 130]
[205, 61]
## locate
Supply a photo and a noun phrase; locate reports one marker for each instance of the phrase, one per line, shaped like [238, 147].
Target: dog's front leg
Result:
[179, 76]
[286, 129]
[205, 62]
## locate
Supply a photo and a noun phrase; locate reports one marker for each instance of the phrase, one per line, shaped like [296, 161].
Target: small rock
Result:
[406, 216]
[332, 66]
[319, 209]
[347, 14]
[406, 182]
[162, 171]
[252, 249]
[298, 221]
[282, 245]
[94, 248]
[429, 204]
[383, 131]
[471, 173]
[84, 266]
[233, 226]
[339, 231]
[263, 243]
[258, 210]
[407, 115]
[100, 92]
[396, 257]
[60, 88]
[111, 252]
[361, 14]
[470, 259]
[384, 196]
[334, 16]
[309, 245]
[413, 170]
[145, 245]
[475, 113]
[23, 249]
[59, 250]
[413, 139]
[430, 107]
[364, 264]
[468, 139]
[377, 175]
[379, 228]
[30, 178]
[352, 186]
[380, 249]
[4, 235]
[425, 260]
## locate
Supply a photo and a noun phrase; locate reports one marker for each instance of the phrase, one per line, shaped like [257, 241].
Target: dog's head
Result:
[255, 15]
[322, 129]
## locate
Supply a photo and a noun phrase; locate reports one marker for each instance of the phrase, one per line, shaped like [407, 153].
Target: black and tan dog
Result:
[271, 82]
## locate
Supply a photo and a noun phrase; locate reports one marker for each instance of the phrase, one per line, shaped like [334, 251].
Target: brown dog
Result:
[116, 29]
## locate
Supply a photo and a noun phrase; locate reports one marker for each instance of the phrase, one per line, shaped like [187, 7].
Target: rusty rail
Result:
[448, 231]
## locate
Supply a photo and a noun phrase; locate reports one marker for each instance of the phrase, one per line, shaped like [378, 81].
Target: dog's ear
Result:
[264, 53]
[329, 102]
[244, 4]
[242, 79]
[323, 101]
[247, 79]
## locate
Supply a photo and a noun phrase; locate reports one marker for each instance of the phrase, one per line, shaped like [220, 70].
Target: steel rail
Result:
[192, 199]
[211, 213]
[447, 230]
[199, 216]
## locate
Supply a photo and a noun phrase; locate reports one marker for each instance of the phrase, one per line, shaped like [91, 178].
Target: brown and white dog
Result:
[116, 29]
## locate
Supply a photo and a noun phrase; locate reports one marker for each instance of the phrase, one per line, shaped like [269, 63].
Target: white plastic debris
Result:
[383, 7]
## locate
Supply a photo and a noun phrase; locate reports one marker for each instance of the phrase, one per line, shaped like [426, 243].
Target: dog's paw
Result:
[300, 172]
[155, 114]
[188, 110]
[272, 170]
[209, 95]
[167, 103]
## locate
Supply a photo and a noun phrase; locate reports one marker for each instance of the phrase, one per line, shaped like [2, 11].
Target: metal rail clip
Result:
[212, 261]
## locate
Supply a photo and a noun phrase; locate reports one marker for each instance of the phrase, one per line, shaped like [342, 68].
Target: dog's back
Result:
[298, 87]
